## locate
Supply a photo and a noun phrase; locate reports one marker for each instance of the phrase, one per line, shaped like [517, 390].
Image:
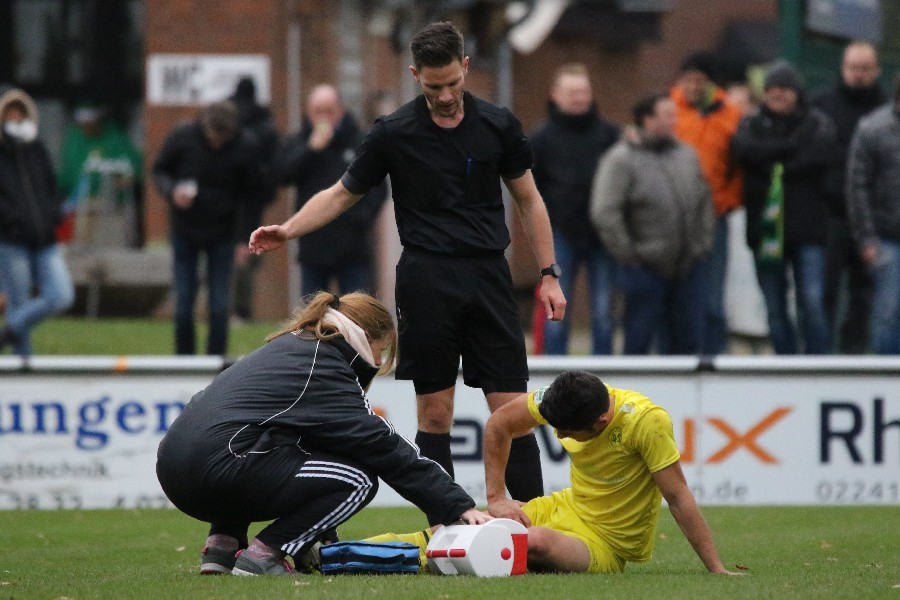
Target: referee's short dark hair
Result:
[437, 45]
[574, 401]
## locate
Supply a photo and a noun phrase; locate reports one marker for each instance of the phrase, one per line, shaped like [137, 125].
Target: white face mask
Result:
[25, 130]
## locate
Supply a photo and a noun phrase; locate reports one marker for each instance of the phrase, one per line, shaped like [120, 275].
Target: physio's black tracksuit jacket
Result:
[298, 392]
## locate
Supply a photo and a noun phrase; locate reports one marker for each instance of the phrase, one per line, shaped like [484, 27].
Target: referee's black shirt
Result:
[445, 182]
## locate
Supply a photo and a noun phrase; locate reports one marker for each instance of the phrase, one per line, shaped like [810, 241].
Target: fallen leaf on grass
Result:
[832, 559]
[301, 583]
[876, 565]
[825, 546]
[663, 536]
[180, 549]
[895, 587]
[741, 567]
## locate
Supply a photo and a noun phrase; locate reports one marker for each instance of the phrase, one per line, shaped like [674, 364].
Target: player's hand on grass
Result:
[267, 238]
[504, 508]
[473, 516]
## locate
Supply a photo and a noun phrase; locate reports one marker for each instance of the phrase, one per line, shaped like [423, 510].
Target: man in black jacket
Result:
[785, 149]
[312, 159]
[855, 95]
[30, 258]
[209, 174]
[567, 149]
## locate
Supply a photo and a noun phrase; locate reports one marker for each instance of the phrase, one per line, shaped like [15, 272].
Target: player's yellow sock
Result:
[419, 538]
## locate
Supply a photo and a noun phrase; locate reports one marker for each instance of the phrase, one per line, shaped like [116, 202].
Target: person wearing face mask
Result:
[653, 209]
[786, 151]
[29, 212]
[287, 433]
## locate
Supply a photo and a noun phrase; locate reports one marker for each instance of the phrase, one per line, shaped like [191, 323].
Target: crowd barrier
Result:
[82, 432]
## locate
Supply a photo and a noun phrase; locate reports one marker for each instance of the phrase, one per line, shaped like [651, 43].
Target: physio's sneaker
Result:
[216, 561]
[245, 565]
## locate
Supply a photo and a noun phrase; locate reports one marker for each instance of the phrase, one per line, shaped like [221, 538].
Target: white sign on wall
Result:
[198, 79]
[754, 437]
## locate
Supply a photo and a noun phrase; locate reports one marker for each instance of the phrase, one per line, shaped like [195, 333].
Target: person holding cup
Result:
[208, 173]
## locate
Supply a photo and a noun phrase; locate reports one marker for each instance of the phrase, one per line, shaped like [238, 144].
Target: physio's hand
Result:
[504, 508]
[267, 238]
[473, 516]
[553, 299]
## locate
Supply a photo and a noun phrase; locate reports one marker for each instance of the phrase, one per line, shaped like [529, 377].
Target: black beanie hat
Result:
[784, 75]
[702, 61]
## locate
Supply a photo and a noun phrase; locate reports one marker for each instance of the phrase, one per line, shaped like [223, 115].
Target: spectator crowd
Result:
[643, 207]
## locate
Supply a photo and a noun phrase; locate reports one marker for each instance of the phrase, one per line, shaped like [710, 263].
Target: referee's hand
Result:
[553, 299]
[267, 238]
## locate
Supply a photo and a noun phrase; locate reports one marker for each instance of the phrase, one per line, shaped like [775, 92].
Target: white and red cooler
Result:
[496, 549]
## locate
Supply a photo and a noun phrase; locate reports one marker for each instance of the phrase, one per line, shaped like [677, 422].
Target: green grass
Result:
[131, 337]
[791, 552]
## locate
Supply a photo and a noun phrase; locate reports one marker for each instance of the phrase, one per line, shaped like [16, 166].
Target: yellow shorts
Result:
[557, 512]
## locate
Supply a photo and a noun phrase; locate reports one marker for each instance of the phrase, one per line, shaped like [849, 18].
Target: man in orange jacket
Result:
[706, 121]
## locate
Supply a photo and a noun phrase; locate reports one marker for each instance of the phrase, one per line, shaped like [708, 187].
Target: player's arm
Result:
[321, 209]
[536, 223]
[510, 421]
[683, 506]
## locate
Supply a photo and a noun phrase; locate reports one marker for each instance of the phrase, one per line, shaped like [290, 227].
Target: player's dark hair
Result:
[437, 45]
[574, 401]
[646, 107]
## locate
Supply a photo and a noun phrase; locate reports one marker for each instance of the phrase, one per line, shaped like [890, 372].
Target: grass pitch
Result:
[791, 552]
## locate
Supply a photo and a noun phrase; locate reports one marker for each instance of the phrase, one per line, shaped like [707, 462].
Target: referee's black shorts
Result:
[450, 307]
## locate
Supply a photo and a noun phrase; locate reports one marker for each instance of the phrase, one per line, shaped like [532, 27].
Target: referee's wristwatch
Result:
[553, 270]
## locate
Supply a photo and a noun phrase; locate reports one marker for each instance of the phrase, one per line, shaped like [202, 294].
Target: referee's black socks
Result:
[436, 446]
[524, 478]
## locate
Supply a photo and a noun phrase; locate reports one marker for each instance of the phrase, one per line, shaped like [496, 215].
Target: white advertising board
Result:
[748, 435]
[198, 79]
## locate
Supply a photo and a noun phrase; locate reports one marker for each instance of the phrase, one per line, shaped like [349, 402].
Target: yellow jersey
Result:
[612, 489]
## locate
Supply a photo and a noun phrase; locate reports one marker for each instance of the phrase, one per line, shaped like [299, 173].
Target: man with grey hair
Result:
[208, 173]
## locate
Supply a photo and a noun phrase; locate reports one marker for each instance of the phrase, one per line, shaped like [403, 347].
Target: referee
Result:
[446, 152]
